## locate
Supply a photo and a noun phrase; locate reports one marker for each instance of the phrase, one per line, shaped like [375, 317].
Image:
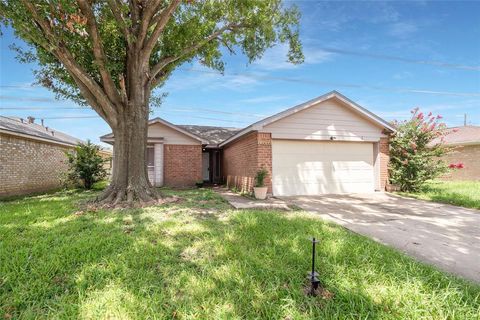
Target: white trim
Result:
[110, 138]
[171, 125]
[13, 133]
[333, 94]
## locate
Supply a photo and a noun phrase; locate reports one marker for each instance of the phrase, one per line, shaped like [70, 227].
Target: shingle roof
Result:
[15, 125]
[213, 135]
[462, 135]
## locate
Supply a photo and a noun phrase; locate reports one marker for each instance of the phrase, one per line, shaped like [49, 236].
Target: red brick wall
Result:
[468, 155]
[384, 160]
[28, 166]
[244, 157]
[182, 164]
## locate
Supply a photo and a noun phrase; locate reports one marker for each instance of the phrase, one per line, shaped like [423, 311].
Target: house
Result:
[32, 156]
[465, 144]
[326, 145]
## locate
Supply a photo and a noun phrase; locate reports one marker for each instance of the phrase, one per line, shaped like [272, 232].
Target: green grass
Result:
[459, 193]
[199, 259]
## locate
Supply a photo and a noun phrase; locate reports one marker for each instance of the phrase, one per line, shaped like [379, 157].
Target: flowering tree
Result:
[415, 150]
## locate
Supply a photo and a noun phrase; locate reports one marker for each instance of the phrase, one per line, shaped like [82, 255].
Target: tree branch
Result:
[215, 35]
[98, 52]
[147, 14]
[56, 47]
[163, 19]
[115, 7]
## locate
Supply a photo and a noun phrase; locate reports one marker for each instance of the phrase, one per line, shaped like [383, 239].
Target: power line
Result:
[377, 56]
[90, 117]
[339, 84]
[176, 109]
[46, 108]
[70, 117]
[401, 59]
[330, 83]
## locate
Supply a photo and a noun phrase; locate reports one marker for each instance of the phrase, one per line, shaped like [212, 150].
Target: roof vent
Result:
[31, 119]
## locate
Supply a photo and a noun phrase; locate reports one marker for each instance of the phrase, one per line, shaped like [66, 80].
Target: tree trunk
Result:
[130, 176]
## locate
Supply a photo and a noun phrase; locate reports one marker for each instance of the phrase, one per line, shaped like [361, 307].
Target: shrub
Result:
[415, 150]
[86, 165]
[260, 177]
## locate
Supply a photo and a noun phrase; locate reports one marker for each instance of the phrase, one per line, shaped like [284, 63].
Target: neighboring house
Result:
[32, 156]
[465, 142]
[326, 145]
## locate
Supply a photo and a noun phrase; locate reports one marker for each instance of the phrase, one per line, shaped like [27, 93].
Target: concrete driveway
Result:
[439, 234]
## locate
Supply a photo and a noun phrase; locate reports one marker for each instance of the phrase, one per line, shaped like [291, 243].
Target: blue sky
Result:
[366, 38]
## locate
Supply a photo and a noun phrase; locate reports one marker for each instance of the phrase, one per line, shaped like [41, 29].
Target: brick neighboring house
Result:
[465, 142]
[32, 156]
[326, 145]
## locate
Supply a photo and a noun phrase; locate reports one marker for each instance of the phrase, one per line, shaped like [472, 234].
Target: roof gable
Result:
[110, 137]
[311, 103]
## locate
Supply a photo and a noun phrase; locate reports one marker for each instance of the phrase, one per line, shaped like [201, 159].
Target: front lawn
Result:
[459, 193]
[199, 259]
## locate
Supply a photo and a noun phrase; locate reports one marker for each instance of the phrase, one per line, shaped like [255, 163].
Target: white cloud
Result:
[402, 75]
[276, 58]
[203, 79]
[264, 99]
[402, 30]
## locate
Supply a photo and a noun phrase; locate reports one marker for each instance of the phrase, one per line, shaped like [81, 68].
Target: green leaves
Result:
[86, 164]
[415, 150]
[191, 33]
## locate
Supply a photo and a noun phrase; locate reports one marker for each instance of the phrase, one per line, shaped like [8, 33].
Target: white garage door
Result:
[316, 167]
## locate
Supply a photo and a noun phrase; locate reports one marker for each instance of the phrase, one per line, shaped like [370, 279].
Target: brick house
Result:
[465, 143]
[32, 156]
[326, 145]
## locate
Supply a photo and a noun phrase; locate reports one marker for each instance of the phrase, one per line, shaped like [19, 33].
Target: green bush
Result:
[86, 165]
[260, 177]
[415, 151]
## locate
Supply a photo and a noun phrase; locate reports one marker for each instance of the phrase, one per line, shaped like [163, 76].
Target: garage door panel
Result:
[316, 167]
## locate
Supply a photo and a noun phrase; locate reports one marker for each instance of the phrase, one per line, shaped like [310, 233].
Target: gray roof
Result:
[35, 130]
[461, 135]
[214, 135]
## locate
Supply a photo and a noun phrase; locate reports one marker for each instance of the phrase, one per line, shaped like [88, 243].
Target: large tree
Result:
[111, 54]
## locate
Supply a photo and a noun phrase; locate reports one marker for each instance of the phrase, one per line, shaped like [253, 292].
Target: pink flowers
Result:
[456, 165]
[439, 117]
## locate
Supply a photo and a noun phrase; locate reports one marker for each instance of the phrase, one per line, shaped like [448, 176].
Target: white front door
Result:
[206, 166]
[302, 167]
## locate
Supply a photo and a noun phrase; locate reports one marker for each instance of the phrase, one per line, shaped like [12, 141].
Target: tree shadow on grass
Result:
[198, 259]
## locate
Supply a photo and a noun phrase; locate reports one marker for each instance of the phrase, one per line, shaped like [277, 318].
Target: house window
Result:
[150, 157]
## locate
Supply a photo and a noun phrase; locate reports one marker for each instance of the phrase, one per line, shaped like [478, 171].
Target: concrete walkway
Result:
[439, 234]
[240, 202]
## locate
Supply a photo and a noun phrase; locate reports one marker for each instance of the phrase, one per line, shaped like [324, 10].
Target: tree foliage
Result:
[415, 150]
[86, 164]
[82, 47]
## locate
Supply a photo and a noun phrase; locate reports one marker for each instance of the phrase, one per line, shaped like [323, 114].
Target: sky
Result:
[389, 57]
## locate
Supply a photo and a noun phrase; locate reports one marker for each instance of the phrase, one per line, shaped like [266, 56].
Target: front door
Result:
[206, 166]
